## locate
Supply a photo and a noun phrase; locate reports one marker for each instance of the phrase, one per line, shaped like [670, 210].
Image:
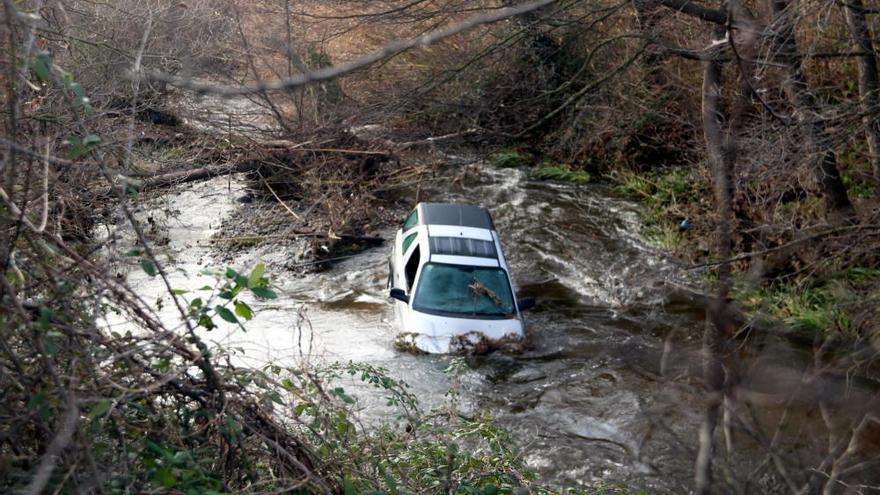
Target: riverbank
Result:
[822, 293]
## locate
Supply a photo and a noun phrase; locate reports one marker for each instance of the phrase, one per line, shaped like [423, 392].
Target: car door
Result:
[405, 244]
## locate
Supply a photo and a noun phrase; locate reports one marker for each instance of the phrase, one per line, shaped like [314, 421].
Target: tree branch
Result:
[388, 51]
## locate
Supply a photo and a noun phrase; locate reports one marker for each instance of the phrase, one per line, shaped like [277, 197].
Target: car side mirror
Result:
[525, 303]
[399, 294]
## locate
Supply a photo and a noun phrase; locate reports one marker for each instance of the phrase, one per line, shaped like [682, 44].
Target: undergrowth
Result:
[830, 303]
[672, 198]
[148, 410]
[831, 306]
[543, 170]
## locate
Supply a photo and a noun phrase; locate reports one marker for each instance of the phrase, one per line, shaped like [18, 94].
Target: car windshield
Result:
[463, 290]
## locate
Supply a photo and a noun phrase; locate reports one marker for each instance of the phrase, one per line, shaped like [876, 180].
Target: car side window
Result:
[408, 241]
[411, 221]
[412, 266]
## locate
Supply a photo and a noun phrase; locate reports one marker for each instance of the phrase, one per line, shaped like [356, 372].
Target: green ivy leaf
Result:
[45, 318]
[226, 314]
[264, 293]
[340, 392]
[149, 267]
[91, 140]
[99, 409]
[243, 310]
[256, 275]
[206, 322]
[165, 478]
[76, 147]
[42, 65]
[77, 89]
[348, 486]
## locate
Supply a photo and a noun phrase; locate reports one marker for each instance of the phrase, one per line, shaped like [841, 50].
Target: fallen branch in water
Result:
[175, 178]
[299, 235]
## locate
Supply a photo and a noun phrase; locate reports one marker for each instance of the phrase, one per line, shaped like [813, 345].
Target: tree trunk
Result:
[807, 112]
[868, 79]
[713, 375]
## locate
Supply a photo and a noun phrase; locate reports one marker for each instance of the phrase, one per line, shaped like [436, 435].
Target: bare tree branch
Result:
[326, 74]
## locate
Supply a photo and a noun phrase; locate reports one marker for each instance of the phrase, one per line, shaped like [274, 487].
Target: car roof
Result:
[455, 214]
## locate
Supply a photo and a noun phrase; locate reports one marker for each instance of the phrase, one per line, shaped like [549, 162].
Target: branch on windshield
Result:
[482, 290]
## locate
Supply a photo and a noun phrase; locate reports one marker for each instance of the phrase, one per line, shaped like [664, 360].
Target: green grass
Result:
[510, 159]
[664, 236]
[861, 275]
[546, 170]
[818, 308]
[669, 195]
[859, 188]
[660, 188]
[560, 172]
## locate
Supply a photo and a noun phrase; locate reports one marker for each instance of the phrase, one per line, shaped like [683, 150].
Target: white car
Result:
[450, 285]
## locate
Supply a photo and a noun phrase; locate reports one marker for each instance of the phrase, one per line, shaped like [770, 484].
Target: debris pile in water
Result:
[321, 200]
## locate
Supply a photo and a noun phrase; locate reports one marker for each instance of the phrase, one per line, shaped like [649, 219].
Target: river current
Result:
[608, 388]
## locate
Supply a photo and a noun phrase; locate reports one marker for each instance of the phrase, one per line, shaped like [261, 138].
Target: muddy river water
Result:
[608, 388]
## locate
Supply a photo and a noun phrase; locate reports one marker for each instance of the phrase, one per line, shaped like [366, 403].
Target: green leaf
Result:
[99, 409]
[230, 273]
[42, 65]
[80, 146]
[389, 481]
[165, 478]
[179, 292]
[276, 398]
[226, 314]
[348, 486]
[36, 401]
[149, 267]
[76, 147]
[45, 318]
[135, 252]
[264, 293]
[51, 347]
[256, 275]
[206, 322]
[340, 392]
[77, 89]
[243, 310]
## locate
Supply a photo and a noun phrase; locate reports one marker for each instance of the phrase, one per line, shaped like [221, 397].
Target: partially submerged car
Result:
[450, 284]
